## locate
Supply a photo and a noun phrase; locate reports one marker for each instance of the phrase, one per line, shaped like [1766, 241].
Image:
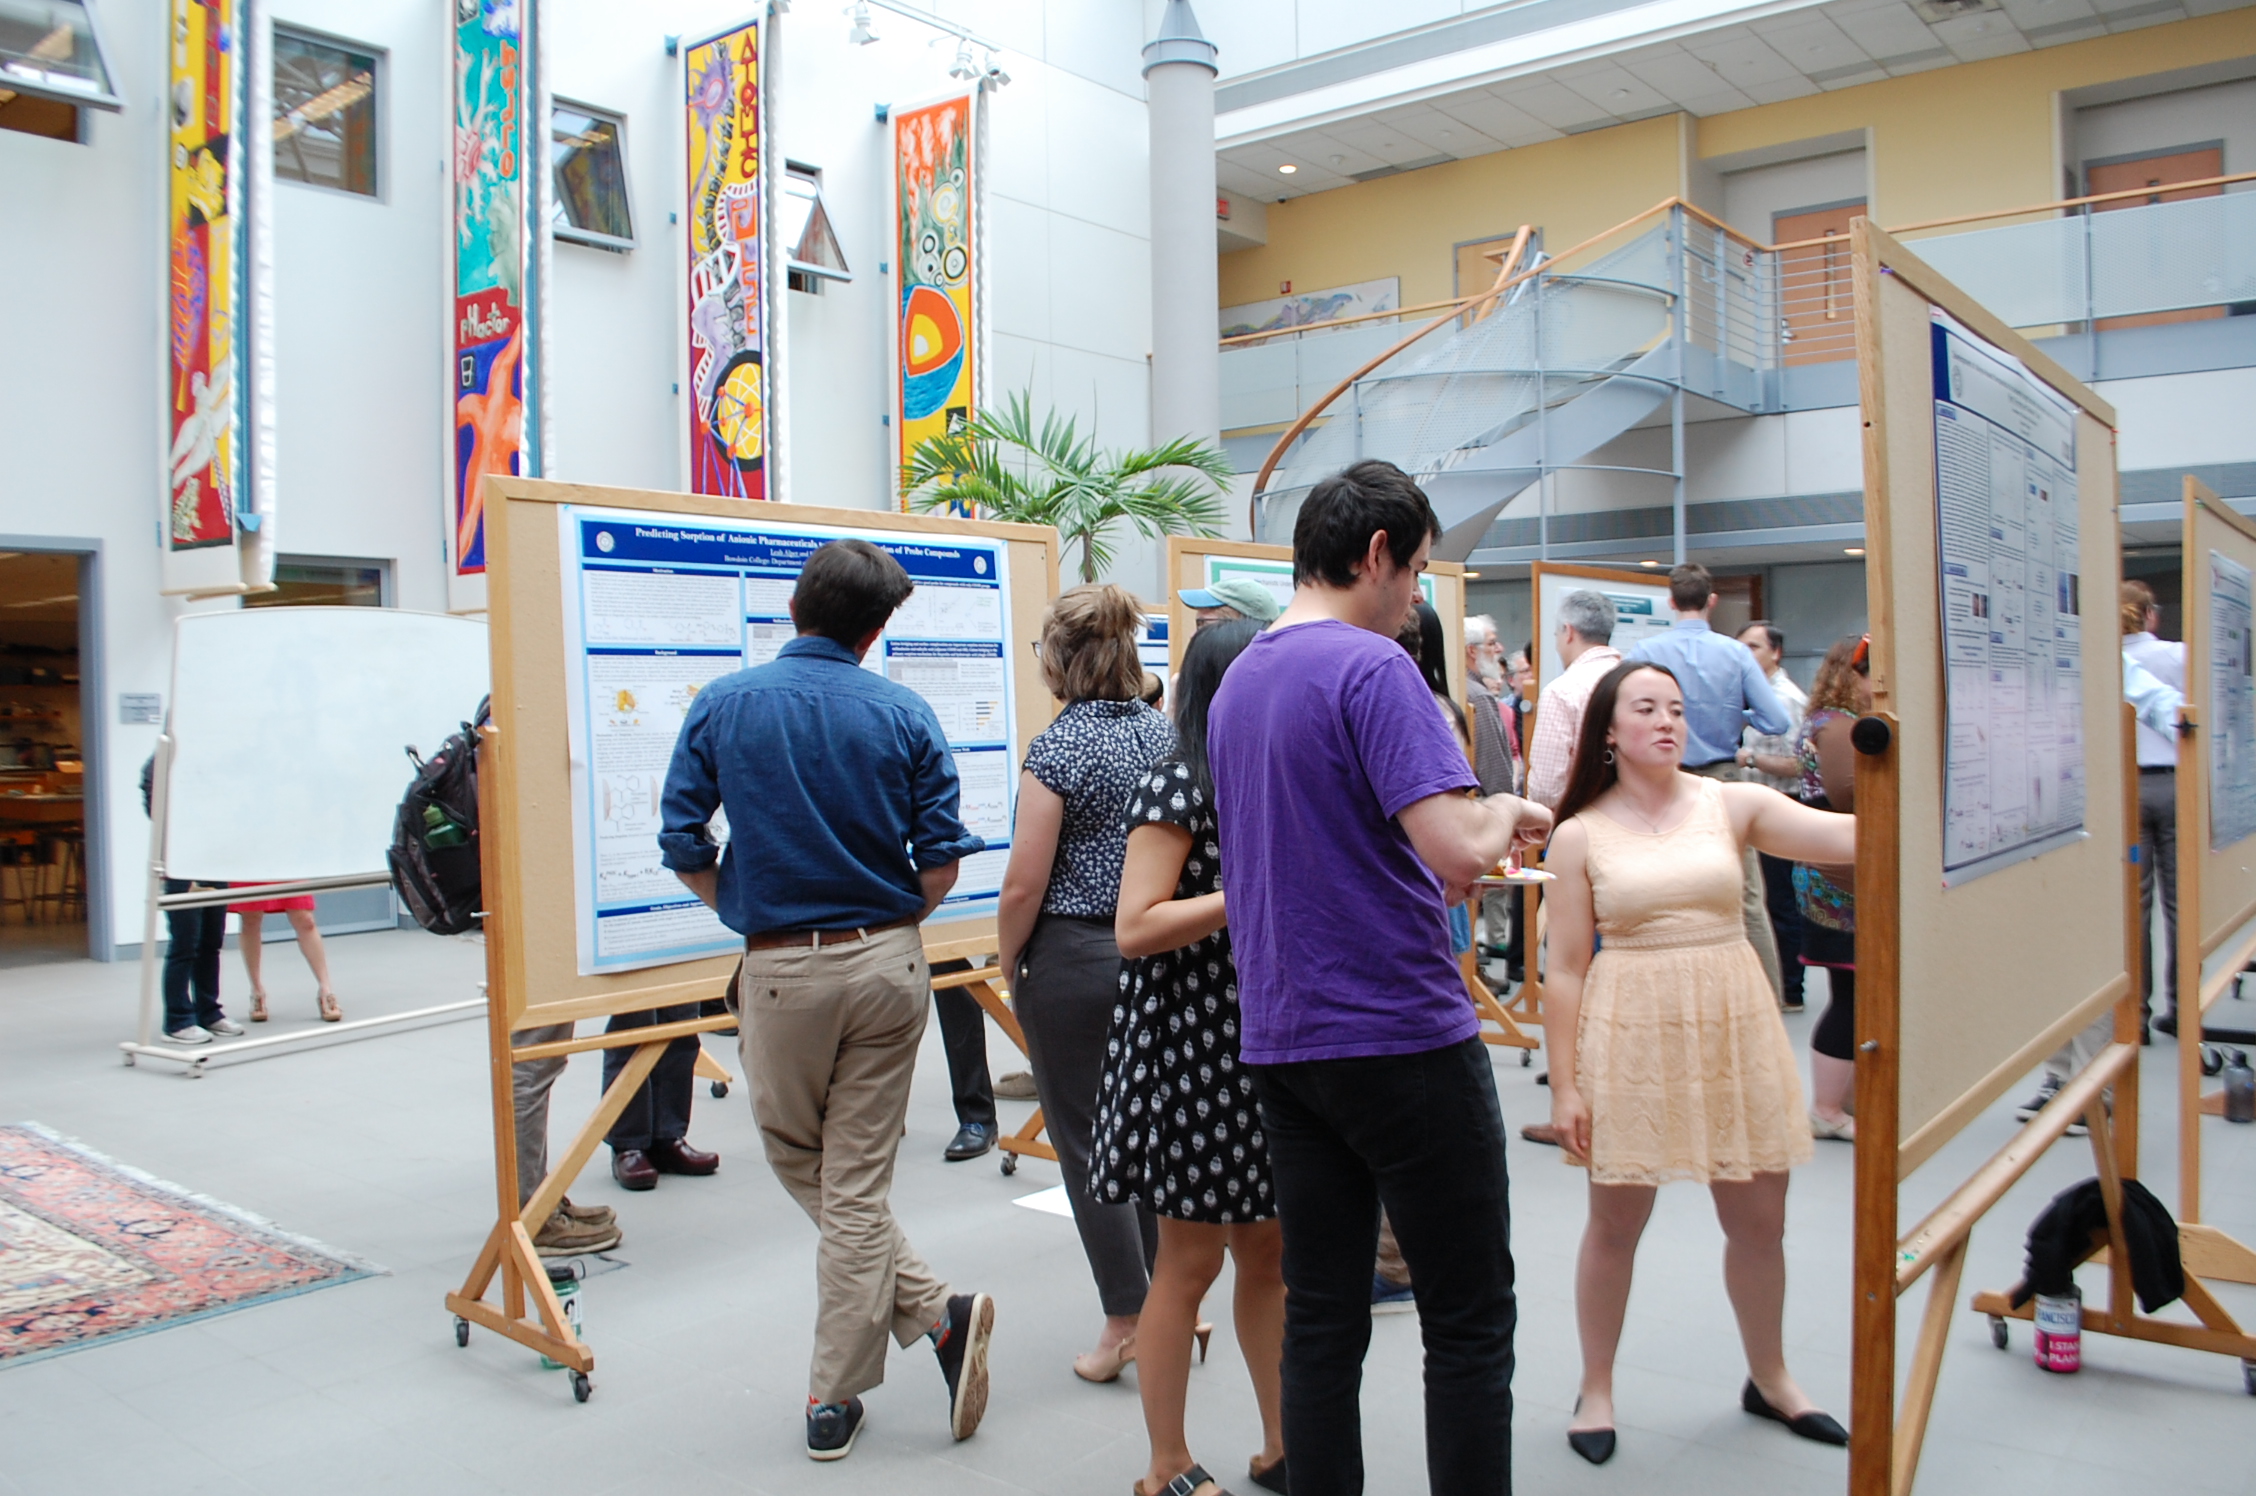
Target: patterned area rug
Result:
[91, 1250]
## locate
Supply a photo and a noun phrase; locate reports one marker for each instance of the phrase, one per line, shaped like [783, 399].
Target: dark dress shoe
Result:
[633, 1169]
[1593, 1444]
[1813, 1425]
[971, 1140]
[675, 1156]
[2167, 1024]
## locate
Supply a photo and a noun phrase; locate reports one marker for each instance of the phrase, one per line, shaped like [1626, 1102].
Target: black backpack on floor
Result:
[434, 851]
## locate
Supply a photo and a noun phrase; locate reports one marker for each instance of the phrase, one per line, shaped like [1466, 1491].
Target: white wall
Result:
[1752, 199]
[362, 309]
[2193, 116]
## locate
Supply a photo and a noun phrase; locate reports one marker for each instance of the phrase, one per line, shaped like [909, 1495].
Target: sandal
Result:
[258, 1007]
[1190, 1483]
[1107, 1364]
[331, 1009]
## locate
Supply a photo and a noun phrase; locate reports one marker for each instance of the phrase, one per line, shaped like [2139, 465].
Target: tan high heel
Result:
[1105, 1365]
[258, 1007]
[1204, 1332]
[331, 1009]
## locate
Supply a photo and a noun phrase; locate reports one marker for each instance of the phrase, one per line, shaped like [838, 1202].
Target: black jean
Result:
[658, 1112]
[2158, 864]
[963, 1036]
[194, 938]
[1422, 1135]
[1785, 921]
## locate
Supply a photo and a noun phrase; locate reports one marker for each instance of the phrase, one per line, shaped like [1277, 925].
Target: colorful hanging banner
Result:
[935, 343]
[496, 333]
[207, 386]
[729, 432]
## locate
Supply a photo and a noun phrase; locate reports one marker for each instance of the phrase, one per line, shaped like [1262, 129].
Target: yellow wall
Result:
[1973, 138]
[1405, 225]
[1981, 136]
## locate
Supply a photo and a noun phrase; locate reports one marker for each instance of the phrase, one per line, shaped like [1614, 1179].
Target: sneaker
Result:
[962, 1349]
[561, 1236]
[587, 1215]
[2035, 1104]
[1389, 1298]
[1016, 1086]
[832, 1427]
[192, 1034]
[226, 1028]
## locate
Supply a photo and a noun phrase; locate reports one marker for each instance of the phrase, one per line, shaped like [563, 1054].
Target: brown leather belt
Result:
[768, 940]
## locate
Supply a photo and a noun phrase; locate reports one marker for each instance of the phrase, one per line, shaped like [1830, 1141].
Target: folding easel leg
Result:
[1926, 1365]
[615, 1099]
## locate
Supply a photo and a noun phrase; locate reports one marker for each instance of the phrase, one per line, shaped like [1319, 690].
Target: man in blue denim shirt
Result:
[844, 834]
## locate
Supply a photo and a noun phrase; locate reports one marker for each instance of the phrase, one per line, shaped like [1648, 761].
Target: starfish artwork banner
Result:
[207, 380]
[495, 352]
[936, 343]
[729, 435]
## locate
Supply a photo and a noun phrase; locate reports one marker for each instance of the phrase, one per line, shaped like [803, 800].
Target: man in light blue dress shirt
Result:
[1724, 692]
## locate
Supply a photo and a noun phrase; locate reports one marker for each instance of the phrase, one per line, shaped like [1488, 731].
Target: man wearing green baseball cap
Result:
[1232, 597]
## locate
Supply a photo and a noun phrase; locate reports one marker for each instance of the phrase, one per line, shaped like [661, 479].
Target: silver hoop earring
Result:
[1609, 755]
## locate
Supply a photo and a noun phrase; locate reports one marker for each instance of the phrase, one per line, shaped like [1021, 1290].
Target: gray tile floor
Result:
[382, 1148]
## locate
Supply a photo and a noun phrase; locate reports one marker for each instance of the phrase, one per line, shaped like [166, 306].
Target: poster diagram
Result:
[728, 422]
[1277, 576]
[2232, 692]
[659, 607]
[2006, 540]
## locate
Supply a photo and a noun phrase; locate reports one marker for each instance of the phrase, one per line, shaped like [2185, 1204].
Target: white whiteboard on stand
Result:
[289, 727]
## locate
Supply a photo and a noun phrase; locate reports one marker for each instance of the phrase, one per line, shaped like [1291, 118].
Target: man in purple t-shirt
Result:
[1346, 834]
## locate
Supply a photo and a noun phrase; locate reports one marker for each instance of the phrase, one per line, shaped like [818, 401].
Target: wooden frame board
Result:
[1596, 578]
[1929, 1058]
[1186, 567]
[2216, 885]
[539, 976]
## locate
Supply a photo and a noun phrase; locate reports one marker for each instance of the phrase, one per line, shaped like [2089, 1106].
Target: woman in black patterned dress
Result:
[1177, 1129]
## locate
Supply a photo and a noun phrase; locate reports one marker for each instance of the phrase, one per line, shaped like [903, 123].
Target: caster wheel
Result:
[2248, 1376]
[461, 1331]
[1527, 1058]
[720, 1089]
[1010, 1164]
[580, 1386]
[2212, 1059]
[1998, 1335]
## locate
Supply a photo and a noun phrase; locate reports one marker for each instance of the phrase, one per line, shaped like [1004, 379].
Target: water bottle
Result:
[564, 1277]
[2240, 1087]
[2060, 1331]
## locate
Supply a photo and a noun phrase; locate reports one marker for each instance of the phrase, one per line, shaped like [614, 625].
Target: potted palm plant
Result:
[1001, 467]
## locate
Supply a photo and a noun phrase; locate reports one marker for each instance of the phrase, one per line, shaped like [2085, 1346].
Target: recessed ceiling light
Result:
[1445, 135]
[1619, 93]
[1288, 168]
[1339, 161]
[1648, 563]
[1853, 550]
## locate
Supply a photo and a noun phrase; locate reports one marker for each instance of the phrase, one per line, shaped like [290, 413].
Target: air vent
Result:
[1951, 10]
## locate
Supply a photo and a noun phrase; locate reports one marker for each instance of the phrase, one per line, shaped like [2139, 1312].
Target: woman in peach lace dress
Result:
[1668, 1057]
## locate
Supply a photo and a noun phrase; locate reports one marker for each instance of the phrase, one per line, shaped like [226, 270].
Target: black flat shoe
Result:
[1593, 1444]
[1813, 1425]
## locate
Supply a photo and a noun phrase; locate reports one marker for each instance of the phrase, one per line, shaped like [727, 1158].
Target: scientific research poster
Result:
[2006, 538]
[2232, 692]
[657, 607]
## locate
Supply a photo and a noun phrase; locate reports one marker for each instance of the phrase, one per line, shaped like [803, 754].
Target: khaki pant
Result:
[1753, 911]
[530, 1083]
[829, 1042]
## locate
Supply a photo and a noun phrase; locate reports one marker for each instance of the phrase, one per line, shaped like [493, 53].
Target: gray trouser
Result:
[2158, 864]
[529, 1083]
[1068, 983]
[1754, 911]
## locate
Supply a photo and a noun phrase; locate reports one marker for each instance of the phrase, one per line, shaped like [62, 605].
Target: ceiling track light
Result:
[962, 67]
[861, 35]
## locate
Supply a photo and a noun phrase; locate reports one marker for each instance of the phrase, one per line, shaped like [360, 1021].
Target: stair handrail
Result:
[1506, 280]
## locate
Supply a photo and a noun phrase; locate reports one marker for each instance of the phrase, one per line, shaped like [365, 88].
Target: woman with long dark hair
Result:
[1668, 1056]
[1422, 637]
[1178, 1130]
[1826, 896]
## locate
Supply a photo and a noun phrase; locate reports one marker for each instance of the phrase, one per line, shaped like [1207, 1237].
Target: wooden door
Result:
[2157, 171]
[1813, 283]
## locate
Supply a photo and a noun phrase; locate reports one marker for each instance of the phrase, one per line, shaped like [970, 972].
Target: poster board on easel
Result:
[1972, 580]
[1640, 599]
[2216, 794]
[608, 609]
[1197, 561]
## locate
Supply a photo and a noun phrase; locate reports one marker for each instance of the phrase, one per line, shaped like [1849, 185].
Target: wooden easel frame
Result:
[2214, 944]
[523, 782]
[1893, 1139]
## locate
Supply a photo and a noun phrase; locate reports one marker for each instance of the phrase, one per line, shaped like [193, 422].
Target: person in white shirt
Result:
[1586, 627]
[1770, 759]
[2164, 659]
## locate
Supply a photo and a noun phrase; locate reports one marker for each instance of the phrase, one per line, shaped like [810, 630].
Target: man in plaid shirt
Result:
[1586, 624]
